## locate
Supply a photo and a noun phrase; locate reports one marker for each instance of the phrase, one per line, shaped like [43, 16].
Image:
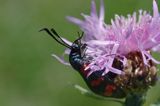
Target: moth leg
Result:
[91, 94]
[82, 90]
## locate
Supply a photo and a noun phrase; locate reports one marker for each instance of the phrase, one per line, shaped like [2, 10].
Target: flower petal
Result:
[101, 14]
[74, 20]
[155, 9]
[93, 9]
[61, 59]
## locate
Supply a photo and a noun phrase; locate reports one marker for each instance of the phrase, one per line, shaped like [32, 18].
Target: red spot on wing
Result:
[97, 82]
[109, 89]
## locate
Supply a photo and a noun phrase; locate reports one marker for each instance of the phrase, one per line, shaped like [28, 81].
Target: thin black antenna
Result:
[59, 40]
[82, 34]
[55, 33]
[79, 35]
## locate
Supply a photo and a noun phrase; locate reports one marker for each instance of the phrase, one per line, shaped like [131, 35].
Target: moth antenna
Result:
[60, 41]
[82, 34]
[55, 33]
[79, 35]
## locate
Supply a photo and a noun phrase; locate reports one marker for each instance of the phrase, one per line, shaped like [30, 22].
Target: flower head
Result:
[125, 35]
[122, 48]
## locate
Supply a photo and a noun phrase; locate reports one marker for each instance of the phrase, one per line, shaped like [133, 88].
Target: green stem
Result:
[134, 100]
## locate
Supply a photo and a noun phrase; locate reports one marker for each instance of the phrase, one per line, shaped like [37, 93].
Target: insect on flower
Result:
[114, 60]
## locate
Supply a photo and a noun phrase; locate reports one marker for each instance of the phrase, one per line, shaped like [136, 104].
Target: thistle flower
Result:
[125, 35]
[123, 47]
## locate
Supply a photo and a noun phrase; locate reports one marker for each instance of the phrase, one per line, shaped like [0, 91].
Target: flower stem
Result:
[135, 100]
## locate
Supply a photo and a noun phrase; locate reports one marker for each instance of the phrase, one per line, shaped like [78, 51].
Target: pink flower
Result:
[115, 60]
[138, 32]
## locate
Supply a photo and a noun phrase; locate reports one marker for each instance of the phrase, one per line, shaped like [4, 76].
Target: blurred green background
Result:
[29, 76]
